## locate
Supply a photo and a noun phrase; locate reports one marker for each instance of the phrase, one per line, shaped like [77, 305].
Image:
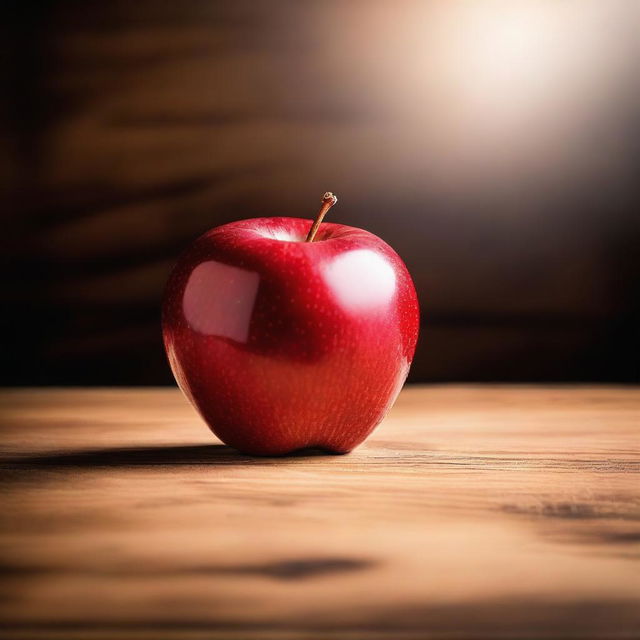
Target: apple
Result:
[286, 335]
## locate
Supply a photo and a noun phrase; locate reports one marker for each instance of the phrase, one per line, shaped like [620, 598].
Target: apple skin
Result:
[282, 344]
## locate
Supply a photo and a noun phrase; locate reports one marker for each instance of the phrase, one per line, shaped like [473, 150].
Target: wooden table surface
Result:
[472, 512]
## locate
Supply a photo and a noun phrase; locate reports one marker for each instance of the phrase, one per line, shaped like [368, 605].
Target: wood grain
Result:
[472, 512]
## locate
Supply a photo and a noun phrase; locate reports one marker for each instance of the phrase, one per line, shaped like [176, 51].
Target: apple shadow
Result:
[211, 454]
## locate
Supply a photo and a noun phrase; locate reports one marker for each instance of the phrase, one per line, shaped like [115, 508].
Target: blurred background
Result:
[495, 144]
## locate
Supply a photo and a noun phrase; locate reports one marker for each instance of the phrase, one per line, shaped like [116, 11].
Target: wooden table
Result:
[472, 512]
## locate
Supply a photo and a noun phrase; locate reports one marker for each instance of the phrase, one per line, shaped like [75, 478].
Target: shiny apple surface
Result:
[282, 344]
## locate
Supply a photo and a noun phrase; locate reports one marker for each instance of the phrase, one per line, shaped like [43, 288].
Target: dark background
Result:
[495, 145]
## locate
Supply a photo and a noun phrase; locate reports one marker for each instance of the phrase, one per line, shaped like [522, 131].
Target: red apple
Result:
[283, 343]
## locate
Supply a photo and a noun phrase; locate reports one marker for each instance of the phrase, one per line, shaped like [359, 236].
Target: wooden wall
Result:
[132, 127]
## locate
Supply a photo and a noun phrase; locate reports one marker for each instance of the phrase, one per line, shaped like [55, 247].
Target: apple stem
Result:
[328, 200]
